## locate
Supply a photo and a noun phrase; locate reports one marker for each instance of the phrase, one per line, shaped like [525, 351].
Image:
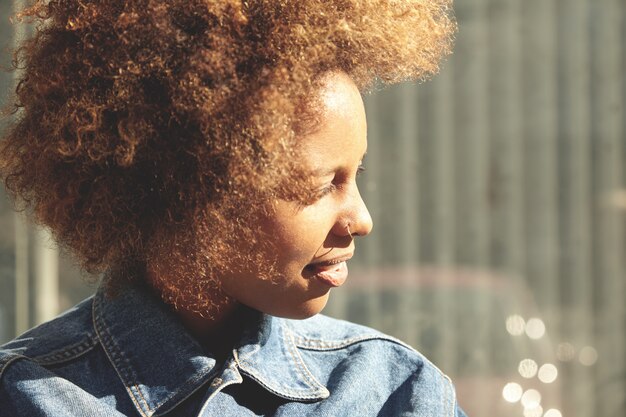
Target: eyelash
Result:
[333, 187]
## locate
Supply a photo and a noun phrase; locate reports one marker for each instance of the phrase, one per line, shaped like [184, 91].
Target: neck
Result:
[218, 329]
[216, 334]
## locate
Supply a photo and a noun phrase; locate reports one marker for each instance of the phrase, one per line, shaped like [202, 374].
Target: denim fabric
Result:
[129, 356]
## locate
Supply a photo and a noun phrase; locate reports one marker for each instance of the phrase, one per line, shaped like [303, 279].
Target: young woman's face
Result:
[313, 243]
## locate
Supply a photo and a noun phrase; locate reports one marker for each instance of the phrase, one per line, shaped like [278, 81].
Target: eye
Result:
[326, 190]
[333, 186]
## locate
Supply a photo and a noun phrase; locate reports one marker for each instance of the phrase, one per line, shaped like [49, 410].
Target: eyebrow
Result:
[320, 173]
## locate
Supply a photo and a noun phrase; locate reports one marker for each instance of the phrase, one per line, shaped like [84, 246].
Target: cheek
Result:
[297, 235]
[296, 243]
[300, 238]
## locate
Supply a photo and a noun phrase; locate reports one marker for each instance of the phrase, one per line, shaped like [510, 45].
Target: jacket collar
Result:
[161, 365]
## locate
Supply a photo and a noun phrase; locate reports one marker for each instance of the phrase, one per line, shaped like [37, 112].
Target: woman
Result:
[204, 154]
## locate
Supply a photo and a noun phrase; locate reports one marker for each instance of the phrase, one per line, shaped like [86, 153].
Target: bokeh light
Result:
[553, 412]
[533, 412]
[531, 399]
[588, 356]
[548, 373]
[535, 328]
[515, 325]
[565, 352]
[527, 368]
[512, 392]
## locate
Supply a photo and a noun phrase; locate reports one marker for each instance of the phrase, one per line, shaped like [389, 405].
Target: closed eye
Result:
[327, 190]
[333, 186]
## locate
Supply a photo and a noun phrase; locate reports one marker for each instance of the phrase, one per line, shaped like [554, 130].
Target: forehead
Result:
[339, 95]
[341, 128]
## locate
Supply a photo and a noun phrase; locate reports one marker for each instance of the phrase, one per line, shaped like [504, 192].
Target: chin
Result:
[302, 311]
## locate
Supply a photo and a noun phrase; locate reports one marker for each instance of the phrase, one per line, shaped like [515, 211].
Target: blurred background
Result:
[498, 196]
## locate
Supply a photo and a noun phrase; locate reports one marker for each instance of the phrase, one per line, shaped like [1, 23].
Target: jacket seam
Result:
[289, 394]
[320, 345]
[67, 353]
[248, 369]
[218, 390]
[128, 376]
[325, 345]
[182, 388]
[299, 362]
[123, 370]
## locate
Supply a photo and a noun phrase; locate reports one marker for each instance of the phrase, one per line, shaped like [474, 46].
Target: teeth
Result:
[326, 263]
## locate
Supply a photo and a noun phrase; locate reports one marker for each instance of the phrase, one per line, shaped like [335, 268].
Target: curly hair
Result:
[136, 119]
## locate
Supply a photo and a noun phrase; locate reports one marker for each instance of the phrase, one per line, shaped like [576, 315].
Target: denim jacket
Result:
[130, 356]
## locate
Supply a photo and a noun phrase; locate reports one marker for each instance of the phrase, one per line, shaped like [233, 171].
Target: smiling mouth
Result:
[333, 272]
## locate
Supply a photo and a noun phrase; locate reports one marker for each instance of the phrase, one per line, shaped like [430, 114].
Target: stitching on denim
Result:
[306, 343]
[284, 393]
[293, 350]
[182, 388]
[130, 377]
[248, 369]
[239, 380]
[319, 344]
[67, 353]
[113, 352]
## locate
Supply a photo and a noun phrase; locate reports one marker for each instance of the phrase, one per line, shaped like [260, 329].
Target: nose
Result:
[356, 220]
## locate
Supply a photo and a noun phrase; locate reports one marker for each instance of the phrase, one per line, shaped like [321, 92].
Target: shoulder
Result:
[57, 360]
[325, 333]
[59, 340]
[357, 360]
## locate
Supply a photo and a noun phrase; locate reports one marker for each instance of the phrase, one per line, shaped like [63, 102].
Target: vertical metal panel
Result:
[505, 189]
[540, 137]
[472, 136]
[437, 169]
[506, 180]
[471, 149]
[408, 192]
[407, 159]
[437, 196]
[574, 197]
[608, 234]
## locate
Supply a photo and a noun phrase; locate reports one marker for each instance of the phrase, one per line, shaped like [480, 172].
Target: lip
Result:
[330, 262]
[331, 272]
